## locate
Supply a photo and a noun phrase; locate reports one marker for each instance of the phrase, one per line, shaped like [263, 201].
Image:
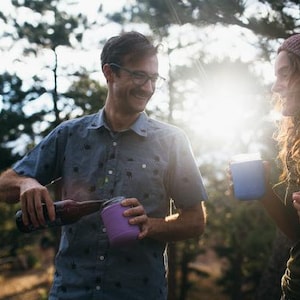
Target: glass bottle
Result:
[66, 212]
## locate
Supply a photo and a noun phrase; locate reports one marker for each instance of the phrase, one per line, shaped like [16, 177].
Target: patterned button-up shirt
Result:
[151, 161]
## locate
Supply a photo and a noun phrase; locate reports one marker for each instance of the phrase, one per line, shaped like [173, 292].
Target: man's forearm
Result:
[9, 187]
[185, 225]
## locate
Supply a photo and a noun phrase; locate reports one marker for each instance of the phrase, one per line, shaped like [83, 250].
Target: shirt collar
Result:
[140, 126]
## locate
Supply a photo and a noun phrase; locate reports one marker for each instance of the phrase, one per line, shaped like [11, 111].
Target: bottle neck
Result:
[77, 208]
[93, 204]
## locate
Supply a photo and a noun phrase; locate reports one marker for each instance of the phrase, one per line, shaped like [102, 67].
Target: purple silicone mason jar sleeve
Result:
[119, 231]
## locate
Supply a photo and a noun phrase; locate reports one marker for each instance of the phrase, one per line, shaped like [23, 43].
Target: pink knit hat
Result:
[291, 44]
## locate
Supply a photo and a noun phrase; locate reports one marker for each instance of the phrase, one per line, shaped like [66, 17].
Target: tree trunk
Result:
[172, 280]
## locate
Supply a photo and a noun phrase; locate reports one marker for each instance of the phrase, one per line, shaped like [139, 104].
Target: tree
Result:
[88, 96]
[269, 19]
[51, 28]
[15, 125]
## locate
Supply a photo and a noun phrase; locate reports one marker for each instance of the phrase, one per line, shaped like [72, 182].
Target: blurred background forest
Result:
[218, 59]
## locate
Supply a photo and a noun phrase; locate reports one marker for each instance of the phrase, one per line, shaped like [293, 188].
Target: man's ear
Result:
[108, 73]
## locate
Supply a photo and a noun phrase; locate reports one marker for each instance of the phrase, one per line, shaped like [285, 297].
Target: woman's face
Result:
[288, 92]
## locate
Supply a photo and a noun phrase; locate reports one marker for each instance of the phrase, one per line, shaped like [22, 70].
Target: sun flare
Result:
[227, 111]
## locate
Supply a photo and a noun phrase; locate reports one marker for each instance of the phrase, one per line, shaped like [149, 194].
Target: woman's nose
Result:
[276, 87]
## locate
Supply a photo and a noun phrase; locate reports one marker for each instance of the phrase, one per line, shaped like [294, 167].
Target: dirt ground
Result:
[30, 284]
[34, 284]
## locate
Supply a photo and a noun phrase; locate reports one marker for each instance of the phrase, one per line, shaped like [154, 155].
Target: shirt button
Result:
[101, 257]
[98, 287]
[115, 144]
[110, 172]
[104, 229]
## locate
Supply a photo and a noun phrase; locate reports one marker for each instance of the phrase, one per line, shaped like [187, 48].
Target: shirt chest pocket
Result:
[145, 179]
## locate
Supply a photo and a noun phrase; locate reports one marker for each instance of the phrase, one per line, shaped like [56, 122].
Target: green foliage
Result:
[14, 123]
[241, 234]
[272, 19]
[88, 95]
[55, 27]
[245, 242]
[51, 27]
[12, 241]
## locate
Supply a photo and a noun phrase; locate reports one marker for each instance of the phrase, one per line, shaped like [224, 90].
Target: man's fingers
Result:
[32, 206]
[25, 216]
[50, 206]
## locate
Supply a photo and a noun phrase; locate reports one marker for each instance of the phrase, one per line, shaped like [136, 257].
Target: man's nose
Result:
[149, 86]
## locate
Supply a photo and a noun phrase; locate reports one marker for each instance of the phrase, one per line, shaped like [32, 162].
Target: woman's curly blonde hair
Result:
[288, 131]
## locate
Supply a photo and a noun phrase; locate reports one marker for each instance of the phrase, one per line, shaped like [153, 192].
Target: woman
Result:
[283, 200]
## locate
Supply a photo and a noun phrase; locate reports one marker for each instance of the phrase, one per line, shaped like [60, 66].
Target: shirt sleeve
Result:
[43, 161]
[186, 182]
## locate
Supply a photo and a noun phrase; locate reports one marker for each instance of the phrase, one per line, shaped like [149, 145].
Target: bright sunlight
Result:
[223, 108]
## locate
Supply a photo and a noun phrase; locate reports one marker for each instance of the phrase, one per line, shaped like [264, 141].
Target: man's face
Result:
[129, 94]
[290, 98]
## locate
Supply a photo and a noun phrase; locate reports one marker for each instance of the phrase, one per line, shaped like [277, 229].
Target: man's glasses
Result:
[140, 78]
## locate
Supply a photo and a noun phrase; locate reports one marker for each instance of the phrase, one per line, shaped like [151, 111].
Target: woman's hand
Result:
[296, 202]
[230, 190]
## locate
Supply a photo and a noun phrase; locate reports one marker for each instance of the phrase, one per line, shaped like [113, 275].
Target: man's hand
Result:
[32, 195]
[137, 215]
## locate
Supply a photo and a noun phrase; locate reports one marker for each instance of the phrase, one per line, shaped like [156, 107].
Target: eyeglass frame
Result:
[133, 75]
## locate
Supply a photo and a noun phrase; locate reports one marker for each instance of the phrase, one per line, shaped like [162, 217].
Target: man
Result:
[119, 151]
